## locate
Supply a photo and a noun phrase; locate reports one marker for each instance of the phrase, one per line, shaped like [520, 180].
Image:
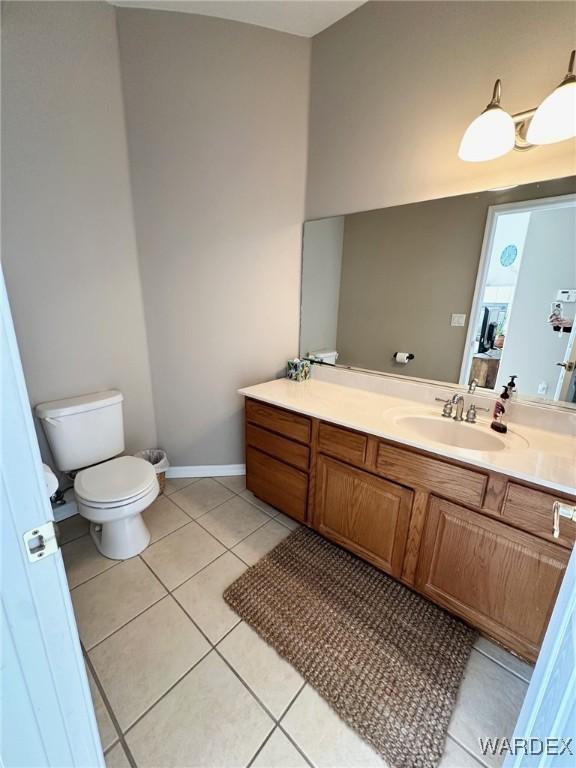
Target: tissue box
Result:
[298, 370]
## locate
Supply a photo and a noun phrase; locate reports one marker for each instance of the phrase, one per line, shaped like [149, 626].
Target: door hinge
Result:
[41, 542]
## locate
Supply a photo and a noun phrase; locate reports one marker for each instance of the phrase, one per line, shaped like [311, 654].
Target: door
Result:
[501, 580]
[566, 388]
[549, 708]
[363, 513]
[47, 715]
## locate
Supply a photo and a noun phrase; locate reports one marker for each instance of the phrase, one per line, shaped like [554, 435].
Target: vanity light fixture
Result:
[495, 132]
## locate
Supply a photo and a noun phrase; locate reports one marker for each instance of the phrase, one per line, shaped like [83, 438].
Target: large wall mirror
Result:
[472, 288]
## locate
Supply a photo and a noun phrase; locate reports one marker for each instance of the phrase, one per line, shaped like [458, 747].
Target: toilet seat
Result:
[115, 483]
[113, 495]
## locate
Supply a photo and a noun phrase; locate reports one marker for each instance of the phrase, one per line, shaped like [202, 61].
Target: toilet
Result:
[87, 434]
[328, 356]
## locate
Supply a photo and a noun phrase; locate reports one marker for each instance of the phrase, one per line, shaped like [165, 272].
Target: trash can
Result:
[157, 457]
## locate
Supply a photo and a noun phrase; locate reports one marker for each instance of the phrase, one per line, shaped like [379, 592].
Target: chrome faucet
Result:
[472, 386]
[458, 401]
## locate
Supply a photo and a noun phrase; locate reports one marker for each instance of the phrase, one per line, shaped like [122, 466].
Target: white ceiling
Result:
[299, 17]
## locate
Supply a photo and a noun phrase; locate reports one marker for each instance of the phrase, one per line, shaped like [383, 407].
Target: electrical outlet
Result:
[457, 320]
[543, 388]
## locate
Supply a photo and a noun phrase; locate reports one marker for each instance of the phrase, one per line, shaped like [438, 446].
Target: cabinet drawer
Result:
[533, 511]
[342, 444]
[276, 483]
[447, 480]
[283, 422]
[296, 454]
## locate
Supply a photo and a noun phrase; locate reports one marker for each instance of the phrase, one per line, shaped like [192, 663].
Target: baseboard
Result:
[209, 470]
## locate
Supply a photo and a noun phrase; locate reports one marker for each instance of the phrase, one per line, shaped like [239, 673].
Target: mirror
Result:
[469, 288]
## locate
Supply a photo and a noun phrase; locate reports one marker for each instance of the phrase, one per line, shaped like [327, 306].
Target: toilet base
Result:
[121, 539]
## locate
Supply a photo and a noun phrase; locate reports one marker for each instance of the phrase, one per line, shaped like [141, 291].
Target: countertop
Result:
[548, 459]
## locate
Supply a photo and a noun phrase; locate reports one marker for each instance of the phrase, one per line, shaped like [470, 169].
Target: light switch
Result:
[458, 320]
[568, 295]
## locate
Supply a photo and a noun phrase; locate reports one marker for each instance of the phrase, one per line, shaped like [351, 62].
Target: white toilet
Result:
[85, 433]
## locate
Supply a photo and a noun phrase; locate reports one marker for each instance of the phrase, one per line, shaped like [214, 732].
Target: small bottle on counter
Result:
[499, 416]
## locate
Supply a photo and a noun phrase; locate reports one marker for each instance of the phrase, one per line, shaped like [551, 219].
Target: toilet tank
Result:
[85, 430]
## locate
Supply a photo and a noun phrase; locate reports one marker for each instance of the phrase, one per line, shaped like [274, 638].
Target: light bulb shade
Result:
[555, 118]
[490, 135]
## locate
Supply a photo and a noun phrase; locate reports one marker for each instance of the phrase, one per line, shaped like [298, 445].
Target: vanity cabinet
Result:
[497, 578]
[476, 542]
[363, 513]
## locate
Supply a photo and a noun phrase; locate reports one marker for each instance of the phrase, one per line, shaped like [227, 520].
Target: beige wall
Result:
[69, 252]
[394, 85]
[406, 269]
[217, 127]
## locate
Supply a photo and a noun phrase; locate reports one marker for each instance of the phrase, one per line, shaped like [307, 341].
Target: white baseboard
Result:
[209, 470]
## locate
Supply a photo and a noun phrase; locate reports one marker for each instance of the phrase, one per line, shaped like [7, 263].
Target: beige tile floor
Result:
[178, 680]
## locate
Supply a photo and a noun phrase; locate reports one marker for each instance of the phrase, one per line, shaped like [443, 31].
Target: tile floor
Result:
[178, 680]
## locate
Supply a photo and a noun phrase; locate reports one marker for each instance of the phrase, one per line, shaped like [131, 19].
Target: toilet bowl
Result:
[112, 496]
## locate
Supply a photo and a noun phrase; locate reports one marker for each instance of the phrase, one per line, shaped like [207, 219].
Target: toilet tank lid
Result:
[71, 405]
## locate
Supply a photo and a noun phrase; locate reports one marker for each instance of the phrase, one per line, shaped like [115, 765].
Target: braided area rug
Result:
[387, 661]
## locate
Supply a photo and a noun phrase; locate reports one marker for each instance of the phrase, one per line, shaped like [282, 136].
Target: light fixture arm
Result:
[496, 95]
[570, 76]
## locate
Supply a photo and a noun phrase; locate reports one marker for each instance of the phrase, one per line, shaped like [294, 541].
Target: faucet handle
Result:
[447, 410]
[471, 412]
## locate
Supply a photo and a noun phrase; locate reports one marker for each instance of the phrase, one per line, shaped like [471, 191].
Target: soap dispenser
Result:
[499, 415]
[511, 386]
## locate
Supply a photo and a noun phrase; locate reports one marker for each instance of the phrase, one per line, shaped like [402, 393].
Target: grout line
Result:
[238, 493]
[298, 692]
[261, 747]
[167, 691]
[91, 578]
[240, 540]
[111, 714]
[76, 538]
[245, 684]
[296, 746]
[207, 511]
[130, 620]
[468, 751]
[192, 481]
[288, 735]
[502, 665]
[227, 552]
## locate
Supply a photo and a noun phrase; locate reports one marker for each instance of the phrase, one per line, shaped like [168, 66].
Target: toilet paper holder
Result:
[403, 357]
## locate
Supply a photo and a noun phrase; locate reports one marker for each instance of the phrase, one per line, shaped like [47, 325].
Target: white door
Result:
[47, 716]
[567, 368]
[545, 734]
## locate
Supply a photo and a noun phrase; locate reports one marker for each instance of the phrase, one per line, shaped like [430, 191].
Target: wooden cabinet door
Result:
[501, 580]
[363, 513]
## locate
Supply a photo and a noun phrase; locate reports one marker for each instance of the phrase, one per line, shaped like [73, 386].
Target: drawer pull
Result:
[561, 510]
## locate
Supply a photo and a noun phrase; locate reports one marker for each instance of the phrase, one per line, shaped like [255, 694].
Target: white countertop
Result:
[548, 459]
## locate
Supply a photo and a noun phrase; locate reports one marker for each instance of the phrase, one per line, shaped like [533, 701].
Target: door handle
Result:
[567, 366]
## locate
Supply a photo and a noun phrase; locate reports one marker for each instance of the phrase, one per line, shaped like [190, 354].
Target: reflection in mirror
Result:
[474, 287]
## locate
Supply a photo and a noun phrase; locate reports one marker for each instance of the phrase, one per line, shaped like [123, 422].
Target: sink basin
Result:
[459, 434]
